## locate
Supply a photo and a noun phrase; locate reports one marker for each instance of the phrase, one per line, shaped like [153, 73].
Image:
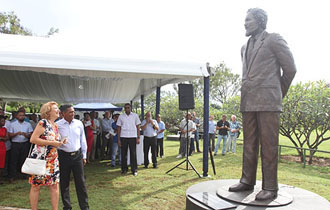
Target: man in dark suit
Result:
[268, 70]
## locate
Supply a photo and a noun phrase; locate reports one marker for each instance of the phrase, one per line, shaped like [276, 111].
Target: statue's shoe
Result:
[266, 195]
[240, 187]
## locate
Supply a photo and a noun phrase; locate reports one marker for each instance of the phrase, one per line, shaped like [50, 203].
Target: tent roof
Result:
[96, 107]
[40, 69]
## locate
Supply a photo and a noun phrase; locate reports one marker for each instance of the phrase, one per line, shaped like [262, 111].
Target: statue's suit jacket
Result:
[263, 83]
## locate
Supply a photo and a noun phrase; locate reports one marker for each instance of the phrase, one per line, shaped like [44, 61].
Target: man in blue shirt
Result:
[212, 129]
[72, 157]
[233, 132]
[160, 136]
[22, 109]
[115, 146]
[106, 128]
[20, 131]
[149, 127]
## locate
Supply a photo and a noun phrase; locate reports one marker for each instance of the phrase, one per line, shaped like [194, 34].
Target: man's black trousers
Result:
[72, 162]
[131, 144]
[150, 142]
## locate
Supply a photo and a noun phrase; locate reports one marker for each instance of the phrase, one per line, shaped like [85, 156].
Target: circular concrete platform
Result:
[302, 199]
[248, 197]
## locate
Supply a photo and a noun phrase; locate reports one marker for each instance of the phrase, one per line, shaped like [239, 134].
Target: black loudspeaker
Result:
[186, 97]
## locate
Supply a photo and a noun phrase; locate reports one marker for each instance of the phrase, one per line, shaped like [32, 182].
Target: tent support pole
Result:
[142, 107]
[206, 125]
[157, 101]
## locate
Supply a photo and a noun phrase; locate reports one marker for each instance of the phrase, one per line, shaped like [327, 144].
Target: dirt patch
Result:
[317, 161]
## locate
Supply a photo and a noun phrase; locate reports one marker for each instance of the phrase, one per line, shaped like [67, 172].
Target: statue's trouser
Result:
[260, 127]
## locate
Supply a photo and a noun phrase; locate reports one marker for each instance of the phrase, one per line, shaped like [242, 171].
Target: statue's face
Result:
[251, 25]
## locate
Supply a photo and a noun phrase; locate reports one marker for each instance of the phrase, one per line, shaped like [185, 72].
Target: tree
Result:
[136, 106]
[224, 89]
[169, 109]
[232, 107]
[223, 84]
[14, 105]
[10, 24]
[150, 104]
[306, 116]
[30, 107]
[53, 31]
[33, 107]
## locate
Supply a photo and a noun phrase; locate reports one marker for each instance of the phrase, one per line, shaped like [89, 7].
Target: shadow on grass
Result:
[173, 145]
[160, 190]
[169, 159]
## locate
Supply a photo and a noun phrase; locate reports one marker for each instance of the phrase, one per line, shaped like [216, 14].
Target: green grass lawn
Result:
[325, 146]
[153, 189]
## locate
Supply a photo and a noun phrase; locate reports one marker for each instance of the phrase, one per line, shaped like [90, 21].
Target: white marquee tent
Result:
[40, 69]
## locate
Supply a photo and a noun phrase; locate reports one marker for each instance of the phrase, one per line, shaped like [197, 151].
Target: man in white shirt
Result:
[149, 127]
[72, 157]
[20, 131]
[128, 136]
[185, 137]
[160, 136]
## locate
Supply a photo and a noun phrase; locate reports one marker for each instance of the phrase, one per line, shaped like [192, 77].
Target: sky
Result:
[185, 30]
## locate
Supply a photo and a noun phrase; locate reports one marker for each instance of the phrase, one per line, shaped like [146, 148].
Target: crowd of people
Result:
[14, 142]
[228, 133]
[57, 138]
[110, 137]
[67, 143]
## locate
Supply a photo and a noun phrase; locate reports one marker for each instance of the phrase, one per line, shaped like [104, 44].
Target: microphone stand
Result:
[186, 160]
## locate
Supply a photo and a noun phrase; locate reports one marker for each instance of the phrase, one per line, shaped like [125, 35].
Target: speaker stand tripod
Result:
[186, 160]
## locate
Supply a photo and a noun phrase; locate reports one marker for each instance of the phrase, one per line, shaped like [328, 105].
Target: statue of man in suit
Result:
[268, 70]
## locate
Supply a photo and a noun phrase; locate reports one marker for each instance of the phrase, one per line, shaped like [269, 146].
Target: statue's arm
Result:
[286, 61]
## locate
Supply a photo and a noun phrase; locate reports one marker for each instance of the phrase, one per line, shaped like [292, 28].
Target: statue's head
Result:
[255, 21]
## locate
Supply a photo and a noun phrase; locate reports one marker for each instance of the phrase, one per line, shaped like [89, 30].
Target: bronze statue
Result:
[268, 70]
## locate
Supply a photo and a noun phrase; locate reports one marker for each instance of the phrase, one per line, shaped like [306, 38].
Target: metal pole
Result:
[187, 141]
[157, 101]
[304, 158]
[206, 126]
[142, 107]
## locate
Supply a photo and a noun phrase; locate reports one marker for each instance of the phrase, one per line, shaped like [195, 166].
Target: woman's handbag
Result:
[34, 166]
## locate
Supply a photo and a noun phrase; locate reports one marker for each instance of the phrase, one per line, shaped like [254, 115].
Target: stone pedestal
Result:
[301, 199]
[248, 197]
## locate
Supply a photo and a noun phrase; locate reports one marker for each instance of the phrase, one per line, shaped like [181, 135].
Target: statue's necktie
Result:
[250, 48]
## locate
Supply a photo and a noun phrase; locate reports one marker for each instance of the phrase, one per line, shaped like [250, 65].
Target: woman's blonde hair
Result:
[46, 108]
